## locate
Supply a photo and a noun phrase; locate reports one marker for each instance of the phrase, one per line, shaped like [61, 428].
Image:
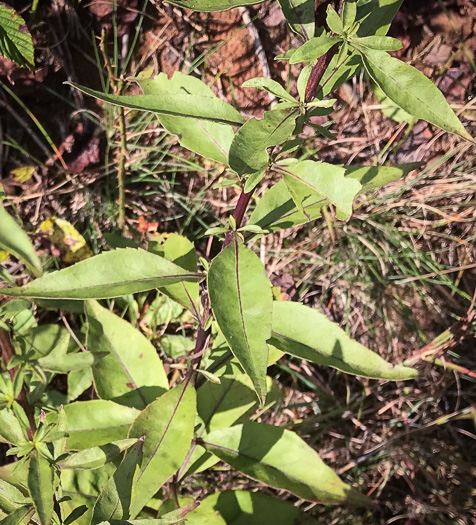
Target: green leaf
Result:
[116, 498]
[10, 428]
[176, 345]
[306, 333]
[241, 300]
[82, 488]
[376, 16]
[95, 423]
[44, 339]
[281, 459]
[390, 109]
[198, 106]
[40, 486]
[75, 515]
[349, 13]
[71, 362]
[379, 43]
[10, 497]
[95, 457]
[20, 516]
[248, 151]
[132, 373]
[302, 82]
[276, 210]
[309, 180]
[239, 507]
[376, 176]
[412, 91]
[212, 5]
[338, 72]
[78, 382]
[220, 406]
[110, 274]
[179, 250]
[14, 240]
[334, 21]
[300, 15]
[207, 138]
[168, 425]
[314, 48]
[15, 45]
[271, 86]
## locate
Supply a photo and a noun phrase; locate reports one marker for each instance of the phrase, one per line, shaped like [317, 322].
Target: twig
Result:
[256, 41]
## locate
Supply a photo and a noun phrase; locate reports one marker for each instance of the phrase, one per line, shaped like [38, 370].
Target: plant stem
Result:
[118, 85]
[121, 170]
[239, 213]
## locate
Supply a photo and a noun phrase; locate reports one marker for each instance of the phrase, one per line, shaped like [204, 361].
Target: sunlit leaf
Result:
[131, 373]
[306, 333]
[208, 138]
[110, 274]
[197, 106]
[241, 299]
[412, 91]
[168, 425]
[281, 459]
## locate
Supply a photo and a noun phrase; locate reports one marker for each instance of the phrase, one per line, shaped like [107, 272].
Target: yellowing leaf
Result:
[23, 173]
[71, 244]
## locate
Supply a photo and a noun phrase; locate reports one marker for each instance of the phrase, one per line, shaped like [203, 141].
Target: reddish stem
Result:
[239, 213]
[317, 73]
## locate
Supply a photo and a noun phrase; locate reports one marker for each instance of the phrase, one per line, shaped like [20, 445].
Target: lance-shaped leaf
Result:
[376, 16]
[281, 459]
[309, 181]
[249, 149]
[110, 274]
[381, 43]
[314, 48]
[20, 516]
[205, 137]
[15, 45]
[271, 86]
[241, 299]
[95, 457]
[301, 16]
[306, 333]
[167, 424]
[115, 499]
[372, 177]
[132, 373]
[198, 106]
[96, 423]
[15, 241]
[250, 508]
[412, 91]
[212, 5]
[40, 486]
[11, 497]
